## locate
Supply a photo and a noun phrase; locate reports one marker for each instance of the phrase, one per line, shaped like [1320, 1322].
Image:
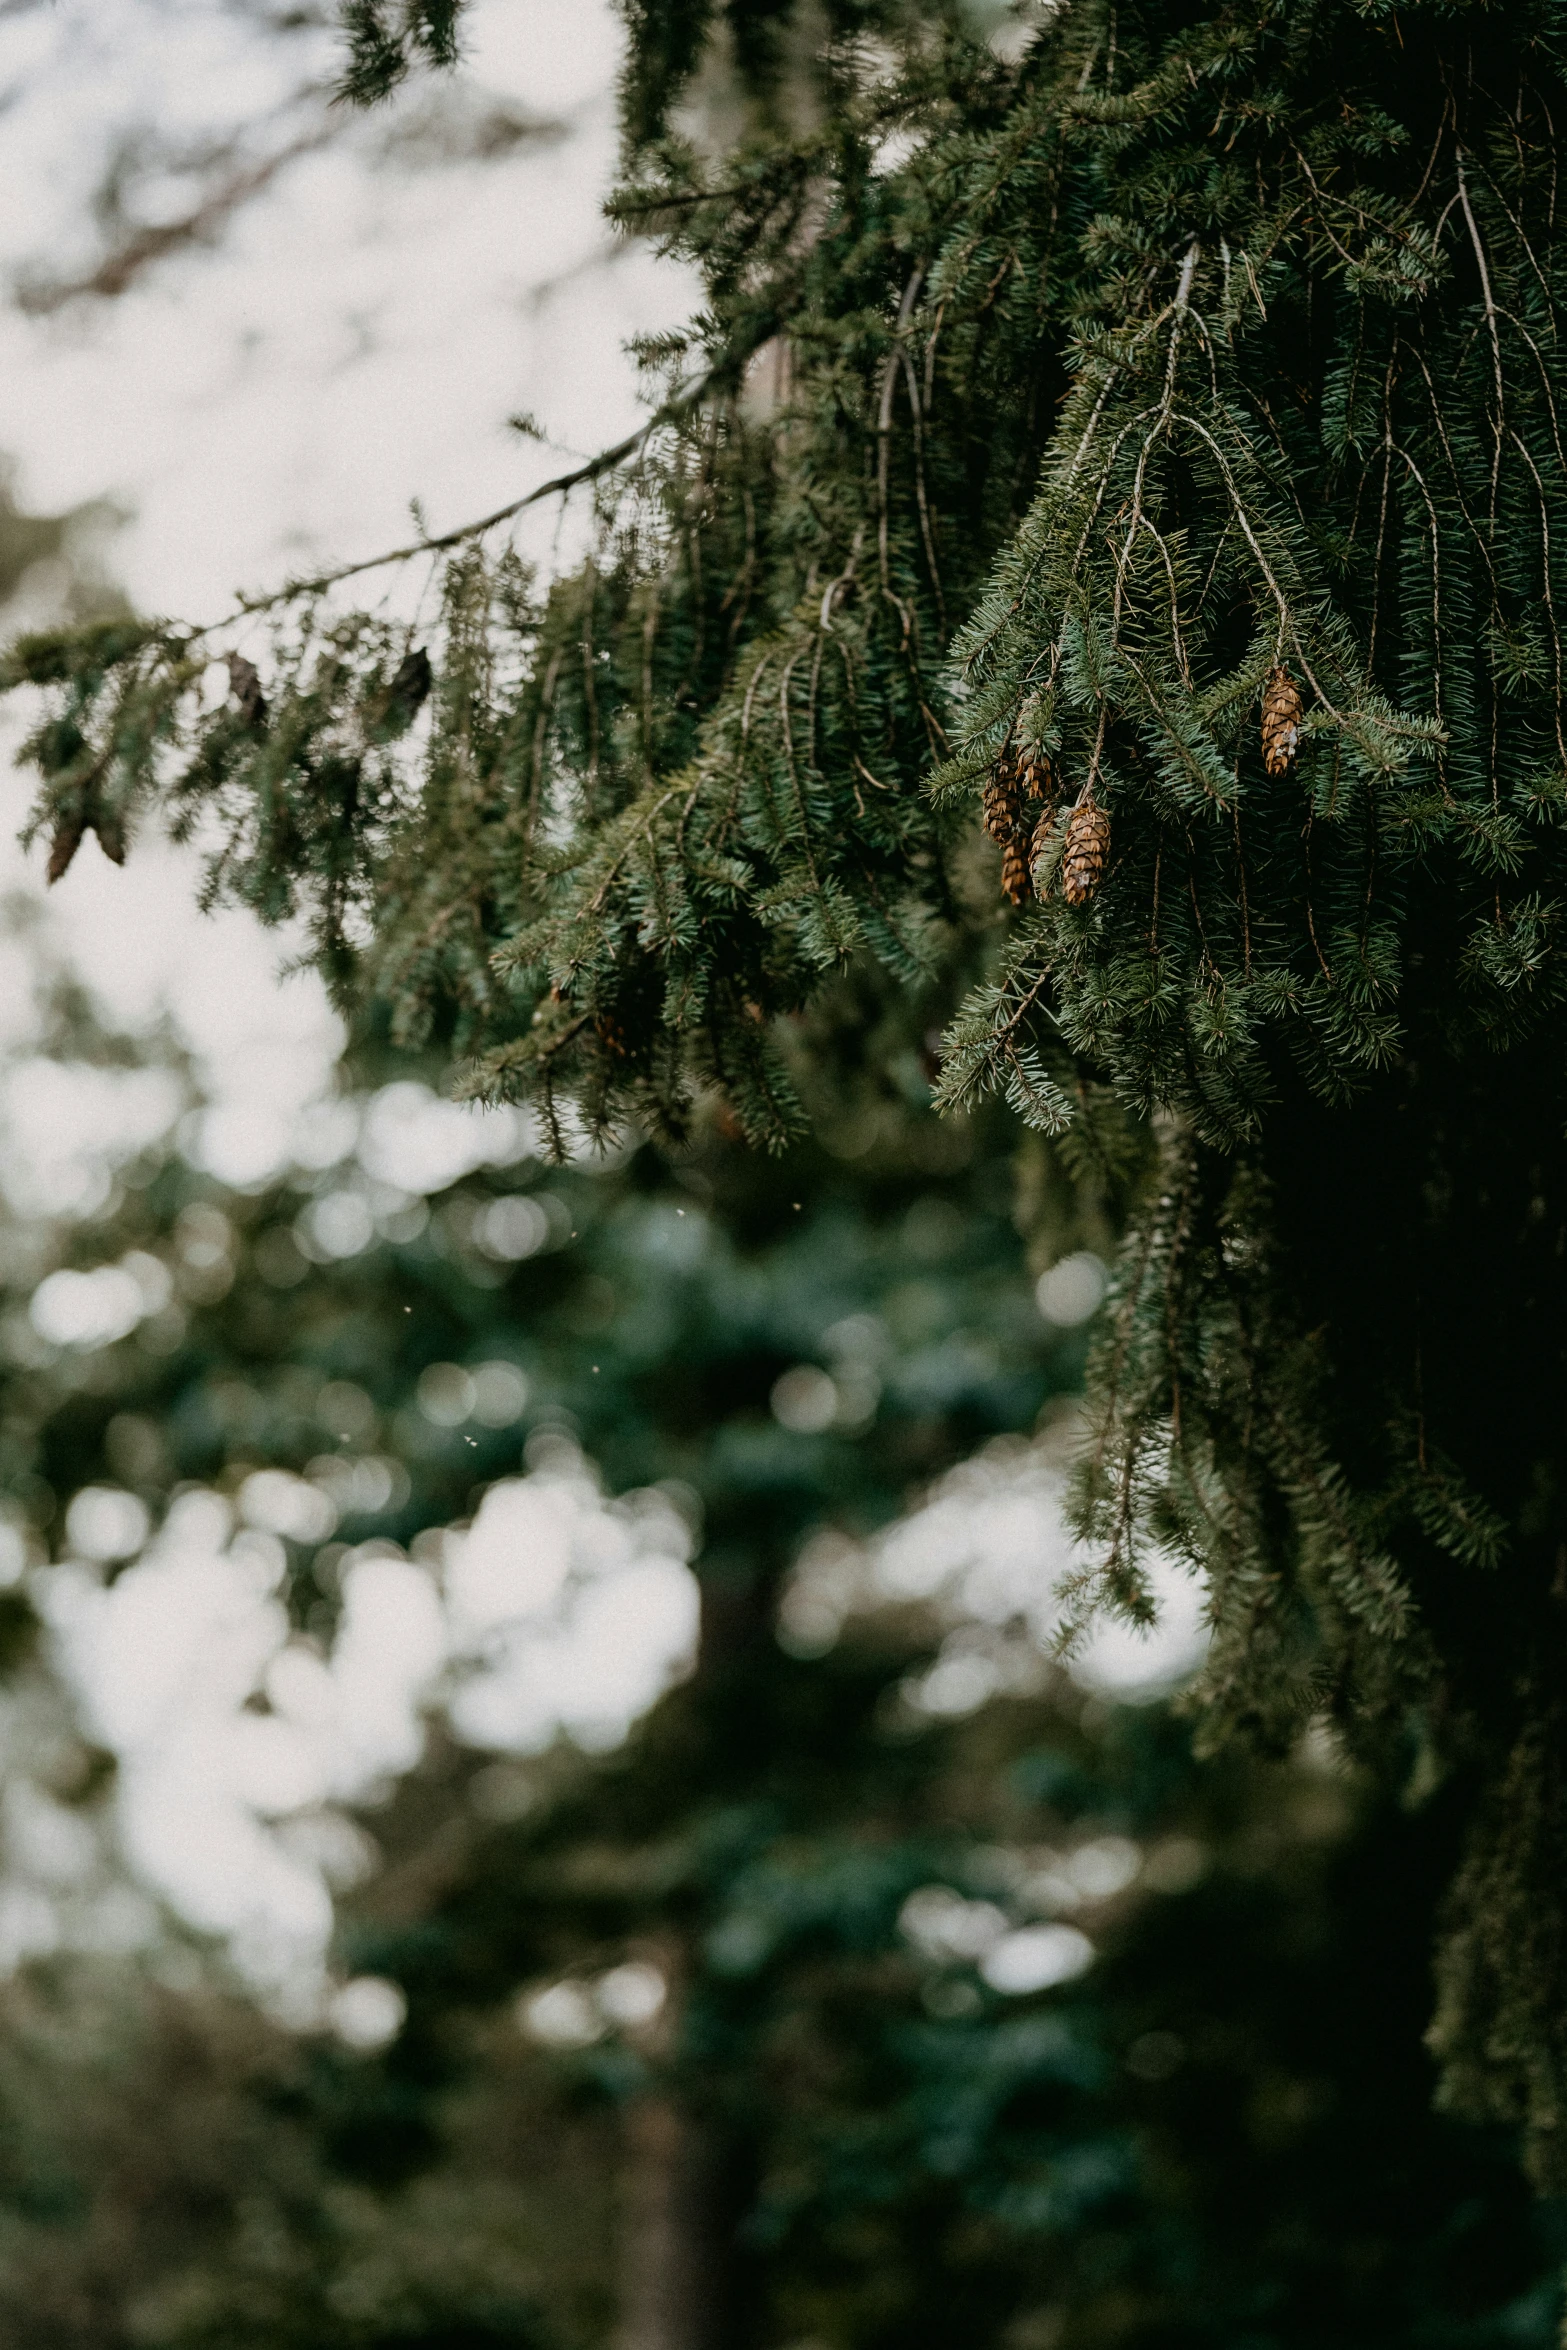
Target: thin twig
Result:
[689, 396]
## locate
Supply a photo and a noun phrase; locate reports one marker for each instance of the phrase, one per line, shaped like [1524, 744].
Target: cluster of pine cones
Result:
[1017, 780]
[1020, 780]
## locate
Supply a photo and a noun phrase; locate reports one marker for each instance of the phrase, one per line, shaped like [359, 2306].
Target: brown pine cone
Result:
[612, 1036]
[1282, 711]
[245, 685]
[1039, 776]
[1002, 803]
[1087, 846]
[1014, 872]
[64, 842]
[1038, 853]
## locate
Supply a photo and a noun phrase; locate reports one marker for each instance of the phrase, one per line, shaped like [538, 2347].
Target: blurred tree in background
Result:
[708, 2038]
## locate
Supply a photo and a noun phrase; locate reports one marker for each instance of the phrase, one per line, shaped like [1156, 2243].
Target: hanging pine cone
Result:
[612, 1036]
[1039, 776]
[1014, 871]
[64, 841]
[1003, 802]
[1087, 846]
[1038, 853]
[1282, 711]
[245, 685]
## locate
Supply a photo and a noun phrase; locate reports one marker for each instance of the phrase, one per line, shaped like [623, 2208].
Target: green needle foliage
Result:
[1050, 404]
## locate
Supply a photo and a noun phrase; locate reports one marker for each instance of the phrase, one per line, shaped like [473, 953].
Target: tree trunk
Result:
[678, 2199]
[668, 2266]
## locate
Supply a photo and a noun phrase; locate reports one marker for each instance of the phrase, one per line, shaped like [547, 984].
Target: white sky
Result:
[356, 341]
[364, 330]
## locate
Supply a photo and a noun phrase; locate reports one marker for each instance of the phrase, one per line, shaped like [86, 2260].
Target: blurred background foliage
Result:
[826, 2124]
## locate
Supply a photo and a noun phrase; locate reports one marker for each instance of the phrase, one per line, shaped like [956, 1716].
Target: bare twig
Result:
[689, 395]
[144, 246]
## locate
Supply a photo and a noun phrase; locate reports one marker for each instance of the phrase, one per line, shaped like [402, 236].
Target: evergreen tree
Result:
[1221, 2131]
[1156, 432]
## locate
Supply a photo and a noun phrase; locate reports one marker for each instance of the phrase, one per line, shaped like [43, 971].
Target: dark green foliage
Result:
[1223, 2128]
[387, 38]
[782, 60]
[166, 2183]
[1054, 403]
